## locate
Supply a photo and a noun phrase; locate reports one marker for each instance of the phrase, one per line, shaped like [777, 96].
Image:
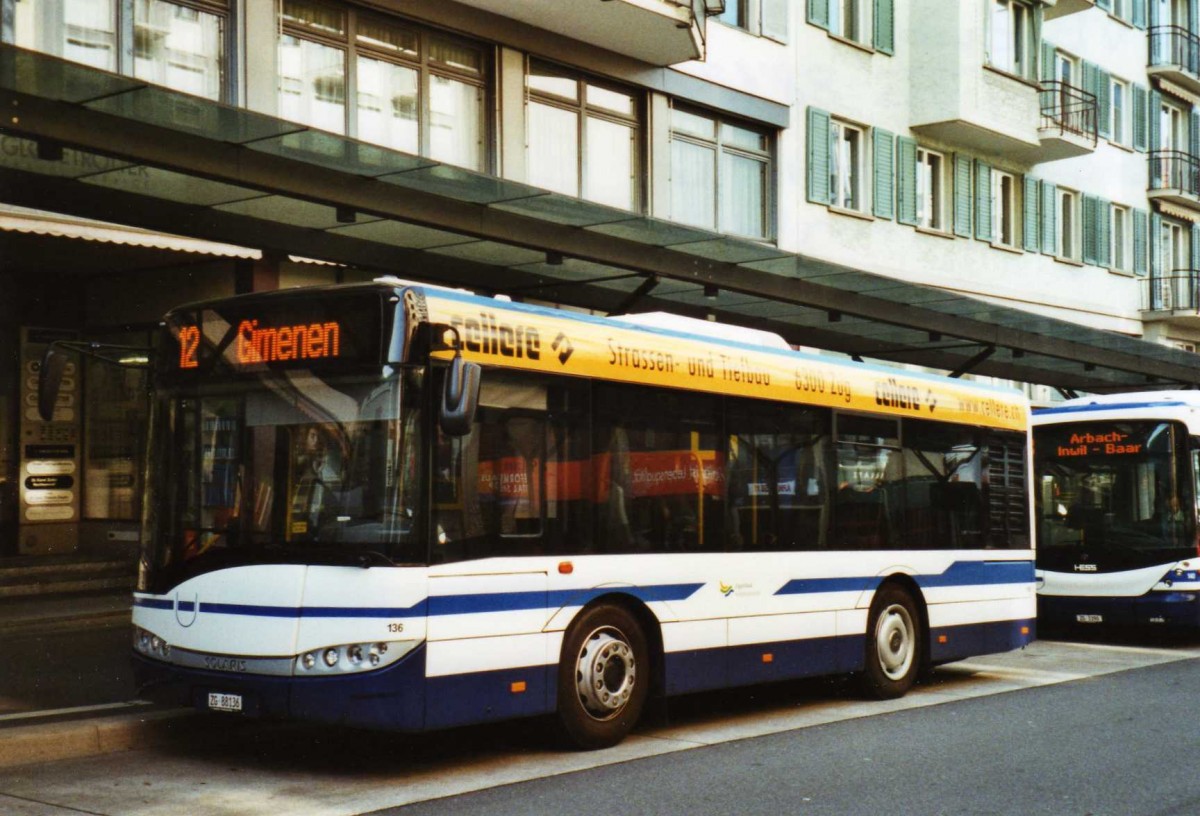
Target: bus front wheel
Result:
[603, 677]
[893, 648]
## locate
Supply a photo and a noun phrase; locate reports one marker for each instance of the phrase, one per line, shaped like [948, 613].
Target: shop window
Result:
[415, 90]
[584, 137]
[180, 45]
[720, 174]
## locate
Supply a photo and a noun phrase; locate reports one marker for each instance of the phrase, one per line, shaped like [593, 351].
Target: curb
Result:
[48, 742]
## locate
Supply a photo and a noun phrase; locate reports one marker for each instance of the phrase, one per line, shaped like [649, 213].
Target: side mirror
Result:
[49, 381]
[460, 397]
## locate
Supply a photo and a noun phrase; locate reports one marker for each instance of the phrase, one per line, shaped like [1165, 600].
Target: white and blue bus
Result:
[1116, 506]
[407, 508]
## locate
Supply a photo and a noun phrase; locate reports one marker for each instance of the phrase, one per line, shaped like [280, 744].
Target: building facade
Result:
[1039, 156]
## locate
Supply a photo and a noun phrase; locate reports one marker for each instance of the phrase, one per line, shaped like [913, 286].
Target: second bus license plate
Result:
[1089, 619]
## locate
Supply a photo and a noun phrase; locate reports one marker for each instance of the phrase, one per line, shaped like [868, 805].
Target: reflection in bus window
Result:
[778, 479]
[659, 474]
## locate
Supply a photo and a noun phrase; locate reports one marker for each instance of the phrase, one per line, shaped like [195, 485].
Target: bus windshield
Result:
[1118, 491]
[286, 466]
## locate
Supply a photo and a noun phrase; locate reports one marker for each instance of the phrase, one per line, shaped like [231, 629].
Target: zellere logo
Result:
[487, 335]
[562, 344]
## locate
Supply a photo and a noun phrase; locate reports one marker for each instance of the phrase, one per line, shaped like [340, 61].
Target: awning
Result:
[100, 145]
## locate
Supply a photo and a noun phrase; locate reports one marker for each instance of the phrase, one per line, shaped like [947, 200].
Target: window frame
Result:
[124, 60]
[1018, 57]
[721, 148]
[857, 164]
[1004, 209]
[936, 219]
[860, 15]
[1121, 240]
[1070, 226]
[584, 111]
[1120, 112]
[427, 68]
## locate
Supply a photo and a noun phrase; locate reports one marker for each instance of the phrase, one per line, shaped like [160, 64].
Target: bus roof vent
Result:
[705, 328]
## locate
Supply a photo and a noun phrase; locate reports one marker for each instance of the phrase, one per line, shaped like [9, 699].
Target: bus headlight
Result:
[348, 658]
[150, 644]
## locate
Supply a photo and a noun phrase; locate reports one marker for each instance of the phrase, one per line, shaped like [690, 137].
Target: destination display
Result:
[1100, 441]
[300, 332]
[537, 339]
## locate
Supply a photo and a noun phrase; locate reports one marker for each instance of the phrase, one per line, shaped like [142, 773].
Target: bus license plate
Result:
[1089, 619]
[224, 702]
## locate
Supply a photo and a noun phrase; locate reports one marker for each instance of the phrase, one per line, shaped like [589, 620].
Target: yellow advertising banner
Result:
[535, 339]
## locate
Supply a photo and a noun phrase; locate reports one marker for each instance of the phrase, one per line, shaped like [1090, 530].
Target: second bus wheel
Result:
[603, 677]
[893, 647]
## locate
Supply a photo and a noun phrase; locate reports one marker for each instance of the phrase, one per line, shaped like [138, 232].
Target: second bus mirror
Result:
[460, 397]
[50, 381]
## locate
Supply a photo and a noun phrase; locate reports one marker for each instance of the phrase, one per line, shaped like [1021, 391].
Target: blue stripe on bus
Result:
[1101, 406]
[960, 573]
[437, 605]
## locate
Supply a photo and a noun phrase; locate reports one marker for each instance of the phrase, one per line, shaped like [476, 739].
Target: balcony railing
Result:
[1172, 45]
[1175, 170]
[1068, 109]
[1179, 291]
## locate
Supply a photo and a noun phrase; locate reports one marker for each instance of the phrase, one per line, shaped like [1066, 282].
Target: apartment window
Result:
[931, 189]
[583, 137]
[764, 18]
[846, 19]
[735, 13]
[1069, 244]
[1004, 208]
[1120, 8]
[1121, 125]
[1011, 45]
[847, 145]
[1174, 247]
[180, 45]
[415, 90]
[1121, 252]
[720, 174]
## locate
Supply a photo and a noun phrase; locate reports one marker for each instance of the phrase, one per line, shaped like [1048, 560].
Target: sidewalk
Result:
[71, 692]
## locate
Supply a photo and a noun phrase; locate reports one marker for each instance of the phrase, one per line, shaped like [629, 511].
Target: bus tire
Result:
[603, 677]
[893, 647]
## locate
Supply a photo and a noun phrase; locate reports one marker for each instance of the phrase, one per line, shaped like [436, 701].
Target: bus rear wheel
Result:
[893, 648]
[603, 677]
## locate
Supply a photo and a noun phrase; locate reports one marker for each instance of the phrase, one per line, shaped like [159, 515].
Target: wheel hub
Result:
[605, 673]
[895, 641]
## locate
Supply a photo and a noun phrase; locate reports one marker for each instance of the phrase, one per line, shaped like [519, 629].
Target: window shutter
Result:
[983, 201]
[1104, 233]
[1139, 13]
[1193, 23]
[1090, 228]
[1156, 258]
[885, 160]
[1153, 119]
[818, 157]
[906, 180]
[1152, 12]
[775, 19]
[1091, 81]
[1194, 136]
[818, 13]
[1140, 104]
[1195, 253]
[885, 26]
[1104, 4]
[1047, 65]
[962, 196]
[1104, 103]
[1140, 217]
[1049, 218]
[1029, 224]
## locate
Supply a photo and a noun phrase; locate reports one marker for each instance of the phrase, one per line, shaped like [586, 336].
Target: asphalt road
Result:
[1058, 728]
[65, 669]
[1118, 744]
